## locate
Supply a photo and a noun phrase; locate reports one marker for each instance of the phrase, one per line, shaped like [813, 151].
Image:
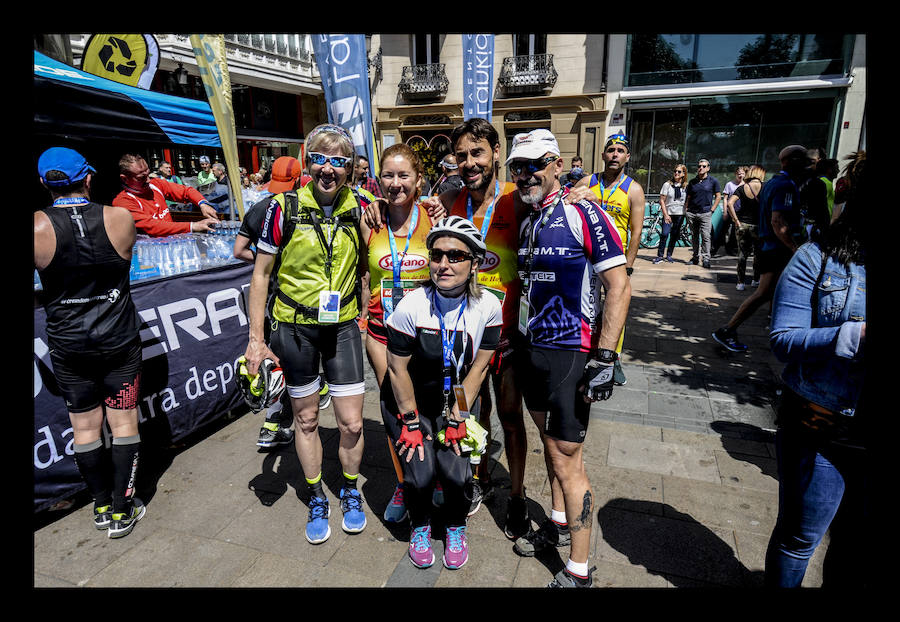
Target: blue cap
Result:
[618, 138]
[67, 161]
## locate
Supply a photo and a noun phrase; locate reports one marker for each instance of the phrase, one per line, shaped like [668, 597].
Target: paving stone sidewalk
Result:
[681, 461]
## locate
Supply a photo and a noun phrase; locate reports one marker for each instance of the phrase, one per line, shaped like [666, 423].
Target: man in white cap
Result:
[450, 180]
[564, 250]
[780, 232]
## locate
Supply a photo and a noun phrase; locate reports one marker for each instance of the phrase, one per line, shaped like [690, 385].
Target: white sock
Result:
[558, 517]
[579, 570]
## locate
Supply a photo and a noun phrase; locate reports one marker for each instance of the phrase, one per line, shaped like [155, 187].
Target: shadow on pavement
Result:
[672, 545]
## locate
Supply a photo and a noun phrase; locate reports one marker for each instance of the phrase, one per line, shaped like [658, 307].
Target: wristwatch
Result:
[605, 356]
[410, 416]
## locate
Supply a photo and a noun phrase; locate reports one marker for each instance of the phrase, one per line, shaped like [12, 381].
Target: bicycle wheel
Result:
[650, 233]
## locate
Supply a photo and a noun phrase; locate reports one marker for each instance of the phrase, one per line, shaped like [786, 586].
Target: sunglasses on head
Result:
[454, 255]
[319, 159]
[517, 167]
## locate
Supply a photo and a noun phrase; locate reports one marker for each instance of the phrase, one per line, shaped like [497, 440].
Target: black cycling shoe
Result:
[518, 523]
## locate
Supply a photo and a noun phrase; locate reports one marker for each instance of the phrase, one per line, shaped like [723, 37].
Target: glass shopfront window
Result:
[729, 131]
[681, 59]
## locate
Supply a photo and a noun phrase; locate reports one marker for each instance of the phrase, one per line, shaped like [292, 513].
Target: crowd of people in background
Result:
[329, 243]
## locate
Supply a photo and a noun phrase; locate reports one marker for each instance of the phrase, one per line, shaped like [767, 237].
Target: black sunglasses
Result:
[454, 255]
[517, 167]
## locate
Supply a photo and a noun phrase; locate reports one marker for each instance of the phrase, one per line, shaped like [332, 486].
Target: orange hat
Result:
[285, 172]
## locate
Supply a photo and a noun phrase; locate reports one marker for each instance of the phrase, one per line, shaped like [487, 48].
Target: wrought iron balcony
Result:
[424, 81]
[527, 74]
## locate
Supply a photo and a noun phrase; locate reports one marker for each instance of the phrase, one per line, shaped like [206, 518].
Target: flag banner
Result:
[210, 53]
[127, 59]
[478, 76]
[193, 330]
[343, 66]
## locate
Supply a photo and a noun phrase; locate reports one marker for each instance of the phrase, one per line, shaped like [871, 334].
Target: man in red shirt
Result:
[146, 200]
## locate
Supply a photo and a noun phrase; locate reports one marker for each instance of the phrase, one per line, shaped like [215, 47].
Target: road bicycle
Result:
[652, 229]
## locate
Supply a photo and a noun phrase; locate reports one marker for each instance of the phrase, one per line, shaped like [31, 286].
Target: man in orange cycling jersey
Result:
[495, 209]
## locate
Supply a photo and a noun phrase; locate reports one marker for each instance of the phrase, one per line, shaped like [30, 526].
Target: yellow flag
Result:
[210, 53]
[127, 59]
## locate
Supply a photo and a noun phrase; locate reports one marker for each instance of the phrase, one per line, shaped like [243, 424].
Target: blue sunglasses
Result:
[336, 161]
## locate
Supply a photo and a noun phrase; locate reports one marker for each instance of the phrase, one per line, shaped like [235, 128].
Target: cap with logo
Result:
[67, 161]
[617, 139]
[533, 145]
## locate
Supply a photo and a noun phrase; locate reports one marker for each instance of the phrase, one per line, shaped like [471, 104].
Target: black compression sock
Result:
[125, 463]
[94, 464]
[315, 487]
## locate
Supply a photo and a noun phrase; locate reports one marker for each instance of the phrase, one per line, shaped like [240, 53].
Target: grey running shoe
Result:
[477, 496]
[272, 434]
[564, 578]
[548, 535]
[102, 516]
[324, 398]
[122, 523]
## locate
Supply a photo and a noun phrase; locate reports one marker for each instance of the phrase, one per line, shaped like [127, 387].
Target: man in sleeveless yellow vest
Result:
[623, 199]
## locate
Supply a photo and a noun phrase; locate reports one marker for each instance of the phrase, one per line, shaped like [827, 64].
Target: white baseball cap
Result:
[533, 145]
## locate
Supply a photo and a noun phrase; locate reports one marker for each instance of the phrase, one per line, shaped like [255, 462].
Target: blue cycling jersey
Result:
[570, 244]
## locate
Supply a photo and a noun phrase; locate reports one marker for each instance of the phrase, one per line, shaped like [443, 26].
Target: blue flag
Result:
[478, 76]
[343, 66]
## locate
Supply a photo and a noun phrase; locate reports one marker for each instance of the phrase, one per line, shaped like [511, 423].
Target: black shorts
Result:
[548, 380]
[302, 347]
[87, 379]
[774, 260]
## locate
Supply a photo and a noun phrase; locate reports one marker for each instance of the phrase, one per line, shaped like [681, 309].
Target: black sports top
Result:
[414, 330]
[87, 293]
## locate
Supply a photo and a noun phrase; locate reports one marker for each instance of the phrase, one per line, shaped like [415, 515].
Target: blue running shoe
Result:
[317, 529]
[395, 512]
[352, 507]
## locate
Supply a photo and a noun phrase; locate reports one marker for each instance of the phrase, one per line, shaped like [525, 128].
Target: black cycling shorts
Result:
[87, 379]
[302, 347]
[774, 260]
[548, 379]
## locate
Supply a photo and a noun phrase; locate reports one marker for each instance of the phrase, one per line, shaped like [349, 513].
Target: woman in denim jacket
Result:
[818, 330]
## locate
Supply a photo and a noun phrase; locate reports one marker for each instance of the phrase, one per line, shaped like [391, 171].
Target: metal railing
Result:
[424, 81]
[293, 46]
[533, 72]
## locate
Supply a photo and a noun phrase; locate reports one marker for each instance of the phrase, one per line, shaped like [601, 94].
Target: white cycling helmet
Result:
[458, 227]
[265, 388]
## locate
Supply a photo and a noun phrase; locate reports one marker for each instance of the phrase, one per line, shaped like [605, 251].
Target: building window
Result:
[529, 45]
[728, 131]
[681, 59]
[426, 49]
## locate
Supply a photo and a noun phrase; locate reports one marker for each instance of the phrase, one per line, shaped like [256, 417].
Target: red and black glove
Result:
[410, 436]
[454, 432]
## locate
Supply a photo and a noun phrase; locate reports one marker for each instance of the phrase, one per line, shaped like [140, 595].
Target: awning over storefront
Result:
[70, 102]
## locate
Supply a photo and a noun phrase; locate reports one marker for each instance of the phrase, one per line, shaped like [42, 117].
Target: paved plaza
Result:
[681, 461]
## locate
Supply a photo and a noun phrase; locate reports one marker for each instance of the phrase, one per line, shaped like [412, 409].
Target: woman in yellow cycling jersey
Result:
[315, 236]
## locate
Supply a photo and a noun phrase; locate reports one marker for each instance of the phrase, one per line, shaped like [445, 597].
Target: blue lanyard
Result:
[447, 340]
[397, 265]
[70, 201]
[605, 202]
[486, 223]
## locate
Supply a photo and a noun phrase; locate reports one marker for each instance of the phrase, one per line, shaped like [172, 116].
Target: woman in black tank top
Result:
[747, 221]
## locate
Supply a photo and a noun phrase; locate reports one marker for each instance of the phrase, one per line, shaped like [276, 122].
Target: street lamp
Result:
[181, 75]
